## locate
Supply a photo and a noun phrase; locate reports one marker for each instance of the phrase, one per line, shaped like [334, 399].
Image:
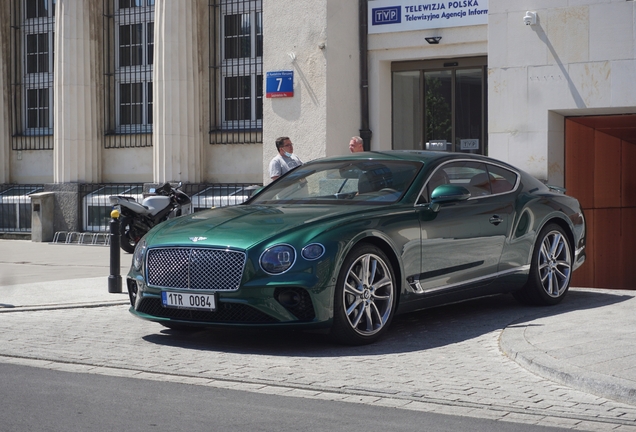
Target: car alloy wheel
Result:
[550, 268]
[365, 296]
[555, 263]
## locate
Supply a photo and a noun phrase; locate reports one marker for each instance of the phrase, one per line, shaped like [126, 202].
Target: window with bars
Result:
[37, 33]
[134, 42]
[236, 71]
[128, 58]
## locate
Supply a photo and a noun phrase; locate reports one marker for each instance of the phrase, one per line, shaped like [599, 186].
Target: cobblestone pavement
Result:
[445, 360]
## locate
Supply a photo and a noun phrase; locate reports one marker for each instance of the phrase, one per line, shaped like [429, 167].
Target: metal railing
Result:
[95, 207]
[94, 203]
[15, 206]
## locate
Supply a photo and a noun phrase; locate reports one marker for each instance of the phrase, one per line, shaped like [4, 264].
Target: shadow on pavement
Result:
[415, 331]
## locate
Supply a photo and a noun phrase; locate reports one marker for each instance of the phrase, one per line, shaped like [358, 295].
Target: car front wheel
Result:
[550, 269]
[365, 297]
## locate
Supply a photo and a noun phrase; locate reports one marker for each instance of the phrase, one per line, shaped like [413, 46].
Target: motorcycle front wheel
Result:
[128, 236]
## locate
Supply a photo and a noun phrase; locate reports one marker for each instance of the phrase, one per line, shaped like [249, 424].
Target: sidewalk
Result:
[591, 346]
[587, 343]
[52, 276]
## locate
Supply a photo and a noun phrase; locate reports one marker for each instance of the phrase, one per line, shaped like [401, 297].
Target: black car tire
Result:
[365, 297]
[550, 269]
[127, 242]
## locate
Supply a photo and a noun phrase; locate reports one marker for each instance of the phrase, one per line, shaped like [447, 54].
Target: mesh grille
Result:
[195, 268]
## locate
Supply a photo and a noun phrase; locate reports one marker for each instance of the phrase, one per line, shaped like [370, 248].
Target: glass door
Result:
[440, 105]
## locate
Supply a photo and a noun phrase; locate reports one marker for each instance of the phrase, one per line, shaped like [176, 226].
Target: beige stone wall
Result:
[78, 114]
[577, 60]
[318, 40]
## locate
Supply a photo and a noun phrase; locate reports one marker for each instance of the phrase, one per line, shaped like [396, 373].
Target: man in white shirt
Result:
[285, 160]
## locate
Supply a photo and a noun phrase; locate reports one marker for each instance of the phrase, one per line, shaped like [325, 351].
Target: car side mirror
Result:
[449, 193]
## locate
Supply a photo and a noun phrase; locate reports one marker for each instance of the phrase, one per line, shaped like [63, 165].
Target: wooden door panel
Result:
[607, 171]
[607, 272]
[579, 162]
[627, 261]
[600, 170]
[628, 174]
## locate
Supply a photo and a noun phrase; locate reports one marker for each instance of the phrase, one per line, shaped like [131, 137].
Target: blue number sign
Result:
[279, 84]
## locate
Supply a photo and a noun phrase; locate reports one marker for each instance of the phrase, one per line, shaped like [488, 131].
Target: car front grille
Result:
[195, 268]
[226, 313]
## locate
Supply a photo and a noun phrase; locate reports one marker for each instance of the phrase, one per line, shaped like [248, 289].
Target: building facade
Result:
[163, 90]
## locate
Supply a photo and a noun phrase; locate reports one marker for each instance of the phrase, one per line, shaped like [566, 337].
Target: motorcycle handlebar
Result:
[166, 189]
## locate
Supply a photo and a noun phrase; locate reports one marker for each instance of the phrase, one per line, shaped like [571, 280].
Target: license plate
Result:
[188, 301]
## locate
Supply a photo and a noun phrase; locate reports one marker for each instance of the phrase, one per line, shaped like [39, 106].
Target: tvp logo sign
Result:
[386, 15]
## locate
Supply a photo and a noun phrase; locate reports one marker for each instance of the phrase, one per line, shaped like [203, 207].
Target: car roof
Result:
[424, 156]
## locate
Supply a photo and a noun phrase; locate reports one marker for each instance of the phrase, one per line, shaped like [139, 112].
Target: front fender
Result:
[397, 236]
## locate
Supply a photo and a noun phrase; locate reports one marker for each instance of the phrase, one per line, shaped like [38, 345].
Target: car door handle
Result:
[495, 220]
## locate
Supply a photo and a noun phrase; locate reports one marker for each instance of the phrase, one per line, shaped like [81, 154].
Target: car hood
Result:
[245, 225]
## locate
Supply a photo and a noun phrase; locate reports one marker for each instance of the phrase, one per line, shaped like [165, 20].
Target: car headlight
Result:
[138, 255]
[278, 259]
[313, 251]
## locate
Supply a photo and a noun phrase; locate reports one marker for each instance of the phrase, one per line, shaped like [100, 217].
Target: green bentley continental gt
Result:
[343, 244]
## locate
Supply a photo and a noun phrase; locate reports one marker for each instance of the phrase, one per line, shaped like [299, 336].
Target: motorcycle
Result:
[136, 219]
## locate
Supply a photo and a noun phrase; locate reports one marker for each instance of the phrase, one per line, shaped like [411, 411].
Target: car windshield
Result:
[361, 182]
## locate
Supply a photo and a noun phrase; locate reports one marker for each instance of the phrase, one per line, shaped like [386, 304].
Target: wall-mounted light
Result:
[433, 40]
[530, 18]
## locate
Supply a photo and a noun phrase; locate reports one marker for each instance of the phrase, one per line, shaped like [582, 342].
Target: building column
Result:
[5, 127]
[78, 122]
[177, 133]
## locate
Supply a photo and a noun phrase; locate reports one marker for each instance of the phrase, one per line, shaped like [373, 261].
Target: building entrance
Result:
[440, 105]
[600, 155]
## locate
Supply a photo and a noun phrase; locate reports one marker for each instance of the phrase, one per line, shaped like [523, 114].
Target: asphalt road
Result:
[35, 399]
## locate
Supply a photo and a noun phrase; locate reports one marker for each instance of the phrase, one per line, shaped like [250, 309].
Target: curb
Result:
[514, 345]
[9, 309]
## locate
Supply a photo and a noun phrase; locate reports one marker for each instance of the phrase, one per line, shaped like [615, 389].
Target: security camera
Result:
[530, 18]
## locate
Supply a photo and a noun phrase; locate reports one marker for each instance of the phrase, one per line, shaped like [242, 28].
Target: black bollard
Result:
[114, 279]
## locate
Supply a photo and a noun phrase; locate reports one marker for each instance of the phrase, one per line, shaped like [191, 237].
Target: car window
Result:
[503, 180]
[342, 182]
[473, 176]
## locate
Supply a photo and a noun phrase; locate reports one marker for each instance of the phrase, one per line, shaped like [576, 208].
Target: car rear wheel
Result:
[550, 269]
[365, 297]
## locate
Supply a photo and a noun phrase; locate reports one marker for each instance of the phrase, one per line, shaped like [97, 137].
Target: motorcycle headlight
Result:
[138, 256]
[278, 259]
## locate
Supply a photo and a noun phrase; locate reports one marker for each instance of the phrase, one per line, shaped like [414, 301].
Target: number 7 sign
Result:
[279, 84]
